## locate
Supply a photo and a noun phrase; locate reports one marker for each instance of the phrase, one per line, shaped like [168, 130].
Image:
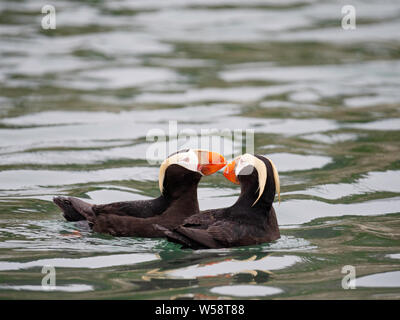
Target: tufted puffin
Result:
[251, 220]
[179, 176]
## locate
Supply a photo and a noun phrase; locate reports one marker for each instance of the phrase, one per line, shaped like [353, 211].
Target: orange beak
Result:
[229, 172]
[211, 162]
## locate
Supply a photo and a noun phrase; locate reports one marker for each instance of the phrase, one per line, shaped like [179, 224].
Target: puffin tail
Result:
[74, 209]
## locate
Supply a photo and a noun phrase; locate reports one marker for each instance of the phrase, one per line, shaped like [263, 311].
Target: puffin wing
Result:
[117, 208]
[203, 230]
[138, 208]
[126, 226]
[193, 232]
[197, 238]
[178, 238]
[200, 220]
[223, 234]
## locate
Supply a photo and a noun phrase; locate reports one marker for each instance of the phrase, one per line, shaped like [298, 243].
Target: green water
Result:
[77, 102]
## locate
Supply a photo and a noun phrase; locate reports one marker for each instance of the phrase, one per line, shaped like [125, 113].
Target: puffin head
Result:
[183, 170]
[256, 174]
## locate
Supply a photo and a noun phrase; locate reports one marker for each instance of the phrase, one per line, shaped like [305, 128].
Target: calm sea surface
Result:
[77, 102]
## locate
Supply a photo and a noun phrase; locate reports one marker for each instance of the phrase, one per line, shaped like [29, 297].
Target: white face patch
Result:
[188, 160]
[245, 165]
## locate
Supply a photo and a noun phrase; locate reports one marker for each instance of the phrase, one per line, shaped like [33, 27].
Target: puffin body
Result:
[251, 220]
[179, 176]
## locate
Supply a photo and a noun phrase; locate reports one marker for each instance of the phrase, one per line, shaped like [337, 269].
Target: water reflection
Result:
[89, 262]
[63, 237]
[293, 162]
[378, 280]
[388, 181]
[246, 290]
[394, 256]
[62, 288]
[76, 104]
[253, 265]
[302, 211]
[21, 179]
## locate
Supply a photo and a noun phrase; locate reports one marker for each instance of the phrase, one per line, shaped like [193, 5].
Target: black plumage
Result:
[177, 202]
[242, 224]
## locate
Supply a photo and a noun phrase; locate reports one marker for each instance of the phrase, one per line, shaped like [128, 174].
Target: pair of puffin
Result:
[175, 215]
